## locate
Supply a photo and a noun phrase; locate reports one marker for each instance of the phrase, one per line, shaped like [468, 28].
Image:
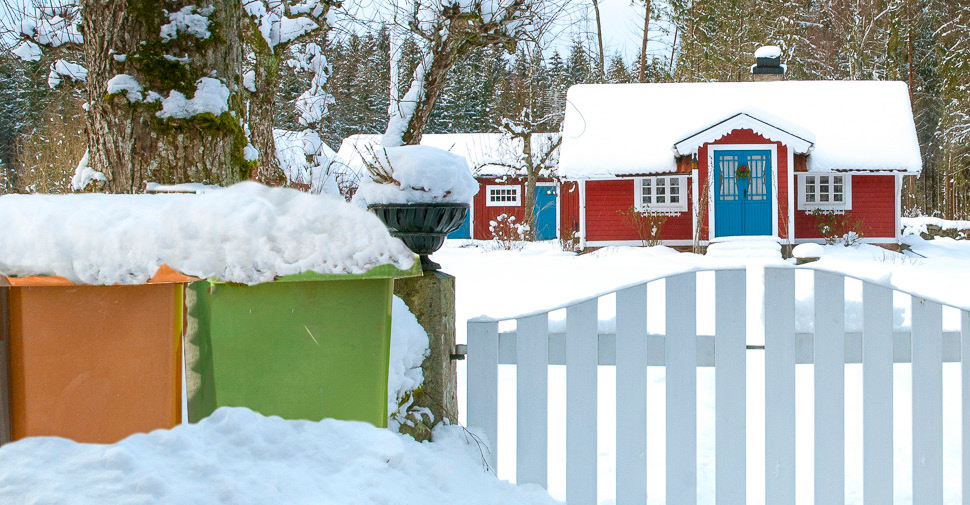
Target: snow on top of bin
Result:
[247, 233]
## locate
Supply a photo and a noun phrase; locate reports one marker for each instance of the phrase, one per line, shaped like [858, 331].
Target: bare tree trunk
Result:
[434, 83]
[643, 44]
[262, 107]
[128, 142]
[599, 40]
[532, 174]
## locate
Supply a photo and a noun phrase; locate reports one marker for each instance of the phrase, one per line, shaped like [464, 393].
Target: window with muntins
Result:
[503, 196]
[662, 193]
[825, 191]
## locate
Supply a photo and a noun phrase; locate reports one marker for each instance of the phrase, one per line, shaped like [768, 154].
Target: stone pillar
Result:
[431, 299]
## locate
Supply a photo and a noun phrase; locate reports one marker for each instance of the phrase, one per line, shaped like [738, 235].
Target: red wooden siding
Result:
[746, 136]
[605, 200]
[485, 214]
[873, 202]
[568, 209]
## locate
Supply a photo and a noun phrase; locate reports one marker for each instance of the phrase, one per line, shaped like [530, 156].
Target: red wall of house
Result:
[568, 209]
[873, 203]
[746, 136]
[485, 214]
[605, 200]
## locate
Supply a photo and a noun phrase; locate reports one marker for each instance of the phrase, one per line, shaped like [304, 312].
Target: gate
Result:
[531, 348]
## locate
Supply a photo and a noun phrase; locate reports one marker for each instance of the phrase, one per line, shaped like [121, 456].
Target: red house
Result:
[737, 159]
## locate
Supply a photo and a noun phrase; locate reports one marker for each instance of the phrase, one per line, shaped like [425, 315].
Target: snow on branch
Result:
[274, 24]
[51, 23]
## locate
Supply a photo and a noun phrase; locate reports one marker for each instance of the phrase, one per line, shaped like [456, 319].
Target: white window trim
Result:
[665, 207]
[515, 188]
[838, 206]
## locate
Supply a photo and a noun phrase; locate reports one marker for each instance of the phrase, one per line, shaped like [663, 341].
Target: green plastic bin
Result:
[306, 346]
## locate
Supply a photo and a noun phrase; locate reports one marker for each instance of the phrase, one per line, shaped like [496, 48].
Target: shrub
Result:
[647, 225]
[506, 233]
[838, 227]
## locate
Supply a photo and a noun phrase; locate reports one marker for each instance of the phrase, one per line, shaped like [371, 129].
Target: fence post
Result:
[965, 376]
[729, 386]
[631, 396]
[829, 388]
[927, 402]
[779, 386]
[582, 353]
[877, 394]
[483, 384]
[681, 359]
[532, 399]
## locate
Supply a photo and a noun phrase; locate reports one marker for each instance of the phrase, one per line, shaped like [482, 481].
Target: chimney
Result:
[768, 66]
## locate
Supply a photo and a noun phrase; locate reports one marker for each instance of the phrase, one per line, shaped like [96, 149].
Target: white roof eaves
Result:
[691, 144]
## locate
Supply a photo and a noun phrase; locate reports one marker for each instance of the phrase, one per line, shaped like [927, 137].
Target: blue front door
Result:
[742, 205]
[545, 210]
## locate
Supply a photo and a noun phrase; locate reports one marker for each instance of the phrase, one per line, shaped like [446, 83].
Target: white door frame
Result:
[711, 187]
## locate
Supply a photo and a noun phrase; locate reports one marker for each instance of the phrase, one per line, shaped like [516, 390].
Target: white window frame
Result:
[516, 192]
[845, 204]
[680, 206]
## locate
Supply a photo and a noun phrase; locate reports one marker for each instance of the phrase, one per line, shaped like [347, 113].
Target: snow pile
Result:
[409, 347]
[305, 159]
[488, 154]
[248, 233]
[808, 250]
[917, 225]
[622, 129]
[768, 52]
[210, 96]
[63, 68]
[27, 51]
[186, 187]
[239, 456]
[53, 23]
[187, 21]
[417, 174]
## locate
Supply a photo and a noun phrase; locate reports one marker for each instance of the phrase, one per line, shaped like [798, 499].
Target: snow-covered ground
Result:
[502, 284]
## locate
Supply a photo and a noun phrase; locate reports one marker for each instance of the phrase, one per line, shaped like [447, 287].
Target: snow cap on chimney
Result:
[768, 66]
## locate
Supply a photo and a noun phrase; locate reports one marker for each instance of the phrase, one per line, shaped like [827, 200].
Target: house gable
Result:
[795, 138]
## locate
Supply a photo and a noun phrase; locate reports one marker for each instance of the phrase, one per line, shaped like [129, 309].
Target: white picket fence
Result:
[631, 349]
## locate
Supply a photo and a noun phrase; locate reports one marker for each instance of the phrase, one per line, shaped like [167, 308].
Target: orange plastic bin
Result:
[93, 363]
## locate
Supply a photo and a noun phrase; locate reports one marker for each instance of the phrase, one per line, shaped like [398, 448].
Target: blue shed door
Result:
[742, 206]
[545, 210]
[463, 231]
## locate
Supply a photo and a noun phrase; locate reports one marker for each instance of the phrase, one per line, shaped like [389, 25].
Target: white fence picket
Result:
[829, 388]
[631, 396]
[483, 366]
[581, 368]
[927, 402]
[779, 386]
[532, 400]
[729, 387]
[681, 354]
[877, 394]
[965, 388]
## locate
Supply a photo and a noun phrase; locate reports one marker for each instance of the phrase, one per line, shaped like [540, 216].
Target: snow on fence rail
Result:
[532, 348]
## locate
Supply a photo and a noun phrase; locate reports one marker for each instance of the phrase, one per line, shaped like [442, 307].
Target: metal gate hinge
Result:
[461, 350]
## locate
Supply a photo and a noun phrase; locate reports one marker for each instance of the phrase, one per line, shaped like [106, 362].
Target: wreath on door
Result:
[742, 172]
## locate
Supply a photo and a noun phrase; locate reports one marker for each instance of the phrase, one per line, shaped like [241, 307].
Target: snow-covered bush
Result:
[506, 233]
[415, 174]
[839, 227]
[647, 225]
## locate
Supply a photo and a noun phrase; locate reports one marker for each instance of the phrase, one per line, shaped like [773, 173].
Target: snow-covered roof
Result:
[488, 154]
[626, 129]
[247, 233]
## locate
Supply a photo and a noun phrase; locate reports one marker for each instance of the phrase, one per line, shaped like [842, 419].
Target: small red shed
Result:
[738, 159]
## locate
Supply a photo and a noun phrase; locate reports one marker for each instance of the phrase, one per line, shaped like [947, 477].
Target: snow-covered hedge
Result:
[247, 233]
[416, 174]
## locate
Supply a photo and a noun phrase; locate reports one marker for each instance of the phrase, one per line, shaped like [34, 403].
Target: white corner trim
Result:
[582, 214]
[899, 207]
[739, 121]
[791, 195]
